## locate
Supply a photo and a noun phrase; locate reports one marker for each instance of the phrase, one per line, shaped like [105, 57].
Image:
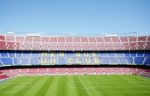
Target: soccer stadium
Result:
[36, 65]
[74, 47]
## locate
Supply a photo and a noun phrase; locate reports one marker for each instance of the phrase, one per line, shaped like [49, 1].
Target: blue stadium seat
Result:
[122, 60]
[35, 55]
[17, 61]
[112, 54]
[19, 54]
[120, 54]
[34, 61]
[1, 64]
[129, 60]
[105, 60]
[11, 54]
[133, 54]
[7, 61]
[4, 54]
[127, 54]
[147, 61]
[26, 54]
[147, 54]
[140, 54]
[114, 60]
[25, 61]
[103, 54]
[61, 61]
[139, 60]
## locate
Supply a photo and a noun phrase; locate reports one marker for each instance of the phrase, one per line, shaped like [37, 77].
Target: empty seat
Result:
[3, 45]
[139, 60]
[147, 61]
[7, 61]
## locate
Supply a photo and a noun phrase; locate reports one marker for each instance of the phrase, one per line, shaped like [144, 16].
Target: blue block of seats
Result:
[138, 60]
[7, 61]
[4, 54]
[147, 61]
[114, 60]
[105, 60]
[24, 61]
[122, 60]
[34, 61]
[129, 60]
[17, 61]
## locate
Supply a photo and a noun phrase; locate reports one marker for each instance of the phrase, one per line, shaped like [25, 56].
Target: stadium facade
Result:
[30, 55]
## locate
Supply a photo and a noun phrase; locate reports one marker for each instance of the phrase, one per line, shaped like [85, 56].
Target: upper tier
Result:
[74, 43]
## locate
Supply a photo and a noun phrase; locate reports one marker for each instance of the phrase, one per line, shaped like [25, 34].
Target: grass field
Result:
[102, 85]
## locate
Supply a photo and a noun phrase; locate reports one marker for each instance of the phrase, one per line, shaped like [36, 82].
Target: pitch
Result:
[87, 85]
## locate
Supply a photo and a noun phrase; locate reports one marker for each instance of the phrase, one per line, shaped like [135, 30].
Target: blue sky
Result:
[75, 16]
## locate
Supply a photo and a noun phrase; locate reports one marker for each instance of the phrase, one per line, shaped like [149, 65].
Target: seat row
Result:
[72, 71]
[75, 61]
[74, 43]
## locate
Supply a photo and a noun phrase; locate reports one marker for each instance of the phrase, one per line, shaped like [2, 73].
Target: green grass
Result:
[98, 85]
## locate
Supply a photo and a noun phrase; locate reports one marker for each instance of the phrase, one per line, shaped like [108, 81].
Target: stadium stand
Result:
[12, 58]
[74, 71]
[73, 50]
[74, 43]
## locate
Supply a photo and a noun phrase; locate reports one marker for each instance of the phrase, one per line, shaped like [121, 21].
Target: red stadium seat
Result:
[11, 45]
[42, 70]
[110, 46]
[78, 46]
[53, 46]
[80, 71]
[52, 71]
[61, 46]
[99, 39]
[92, 39]
[115, 39]
[26, 46]
[107, 39]
[140, 45]
[102, 46]
[61, 39]
[142, 38]
[126, 46]
[32, 71]
[61, 71]
[118, 46]
[147, 46]
[10, 38]
[93, 46]
[85, 46]
[36, 46]
[70, 70]
[76, 39]
[29, 39]
[133, 46]
[84, 39]
[37, 39]
[132, 39]
[69, 46]
[45, 39]
[69, 39]
[89, 70]
[124, 39]
[53, 39]
[148, 38]
[2, 38]
[3, 45]
[44, 46]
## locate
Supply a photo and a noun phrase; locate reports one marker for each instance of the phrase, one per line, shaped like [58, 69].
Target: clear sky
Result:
[75, 16]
